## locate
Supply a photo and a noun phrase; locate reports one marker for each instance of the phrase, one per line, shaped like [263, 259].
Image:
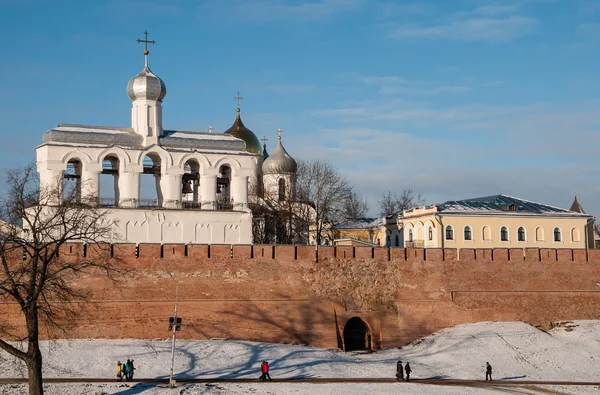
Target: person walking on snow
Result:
[488, 371]
[119, 370]
[264, 368]
[408, 370]
[399, 371]
[130, 369]
[125, 370]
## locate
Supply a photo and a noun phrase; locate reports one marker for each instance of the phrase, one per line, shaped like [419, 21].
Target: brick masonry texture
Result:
[266, 293]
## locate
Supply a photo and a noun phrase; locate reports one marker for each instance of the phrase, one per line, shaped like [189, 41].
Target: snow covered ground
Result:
[517, 351]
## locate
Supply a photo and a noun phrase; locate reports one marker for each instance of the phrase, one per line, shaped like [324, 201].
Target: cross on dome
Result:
[210, 128]
[279, 131]
[238, 98]
[146, 42]
[264, 140]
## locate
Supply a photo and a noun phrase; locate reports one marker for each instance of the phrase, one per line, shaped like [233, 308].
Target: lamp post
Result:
[171, 381]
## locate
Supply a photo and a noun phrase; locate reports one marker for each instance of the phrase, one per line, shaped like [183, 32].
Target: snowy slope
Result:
[515, 350]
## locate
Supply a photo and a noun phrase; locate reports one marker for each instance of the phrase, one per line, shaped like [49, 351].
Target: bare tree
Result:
[356, 206]
[388, 204]
[325, 191]
[277, 215]
[392, 204]
[38, 221]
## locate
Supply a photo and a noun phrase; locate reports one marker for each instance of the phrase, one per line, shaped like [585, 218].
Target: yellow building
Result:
[497, 221]
[382, 231]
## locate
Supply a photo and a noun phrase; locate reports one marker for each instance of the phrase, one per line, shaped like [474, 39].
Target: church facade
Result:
[201, 180]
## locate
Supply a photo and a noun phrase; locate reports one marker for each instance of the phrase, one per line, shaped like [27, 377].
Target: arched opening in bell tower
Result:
[191, 184]
[357, 336]
[150, 190]
[224, 201]
[109, 182]
[71, 192]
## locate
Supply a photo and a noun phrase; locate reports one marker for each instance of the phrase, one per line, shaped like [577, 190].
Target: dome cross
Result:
[264, 140]
[238, 98]
[146, 42]
[279, 131]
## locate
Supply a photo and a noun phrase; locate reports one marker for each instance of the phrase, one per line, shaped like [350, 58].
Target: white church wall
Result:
[181, 226]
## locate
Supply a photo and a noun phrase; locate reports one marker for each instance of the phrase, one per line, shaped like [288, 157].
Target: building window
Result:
[397, 241]
[504, 234]
[575, 237]
[410, 235]
[487, 233]
[539, 234]
[468, 233]
[557, 235]
[521, 234]
[430, 233]
[449, 233]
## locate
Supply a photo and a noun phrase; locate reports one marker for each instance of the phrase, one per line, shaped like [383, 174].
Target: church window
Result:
[575, 236]
[430, 233]
[150, 190]
[109, 182]
[557, 234]
[397, 239]
[468, 233]
[410, 235]
[72, 182]
[521, 234]
[449, 233]
[281, 189]
[487, 233]
[504, 234]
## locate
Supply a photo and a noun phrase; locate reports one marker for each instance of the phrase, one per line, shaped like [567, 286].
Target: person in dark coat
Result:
[125, 368]
[488, 371]
[407, 369]
[399, 371]
[130, 369]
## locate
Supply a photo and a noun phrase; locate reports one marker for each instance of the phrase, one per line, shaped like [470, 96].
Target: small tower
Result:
[146, 90]
[279, 173]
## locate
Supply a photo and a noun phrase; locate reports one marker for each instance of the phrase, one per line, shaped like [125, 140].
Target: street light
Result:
[171, 381]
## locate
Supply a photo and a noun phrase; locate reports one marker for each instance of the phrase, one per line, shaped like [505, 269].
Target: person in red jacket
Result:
[264, 369]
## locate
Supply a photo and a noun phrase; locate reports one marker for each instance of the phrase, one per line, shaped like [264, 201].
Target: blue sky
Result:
[454, 99]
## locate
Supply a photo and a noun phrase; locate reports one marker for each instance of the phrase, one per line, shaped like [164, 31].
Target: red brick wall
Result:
[262, 292]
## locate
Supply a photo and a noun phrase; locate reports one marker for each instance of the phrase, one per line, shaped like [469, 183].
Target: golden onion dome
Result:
[240, 131]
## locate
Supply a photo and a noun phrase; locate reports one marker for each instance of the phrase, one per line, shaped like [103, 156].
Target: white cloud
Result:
[471, 29]
[537, 152]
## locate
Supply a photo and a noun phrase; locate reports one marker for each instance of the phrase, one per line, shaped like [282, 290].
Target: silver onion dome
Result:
[146, 85]
[279, 161]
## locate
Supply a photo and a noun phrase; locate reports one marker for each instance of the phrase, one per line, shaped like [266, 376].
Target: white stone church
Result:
[202, 179]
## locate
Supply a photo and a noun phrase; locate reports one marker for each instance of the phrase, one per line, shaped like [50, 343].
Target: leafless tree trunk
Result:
[326, 191]
[37, 222]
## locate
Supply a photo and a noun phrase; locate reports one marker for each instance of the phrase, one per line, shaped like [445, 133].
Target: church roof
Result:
[91, 136]
[502, 204]
[239, 130]
[279, 162]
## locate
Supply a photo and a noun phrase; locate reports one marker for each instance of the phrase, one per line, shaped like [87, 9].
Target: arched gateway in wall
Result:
[356, 335]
